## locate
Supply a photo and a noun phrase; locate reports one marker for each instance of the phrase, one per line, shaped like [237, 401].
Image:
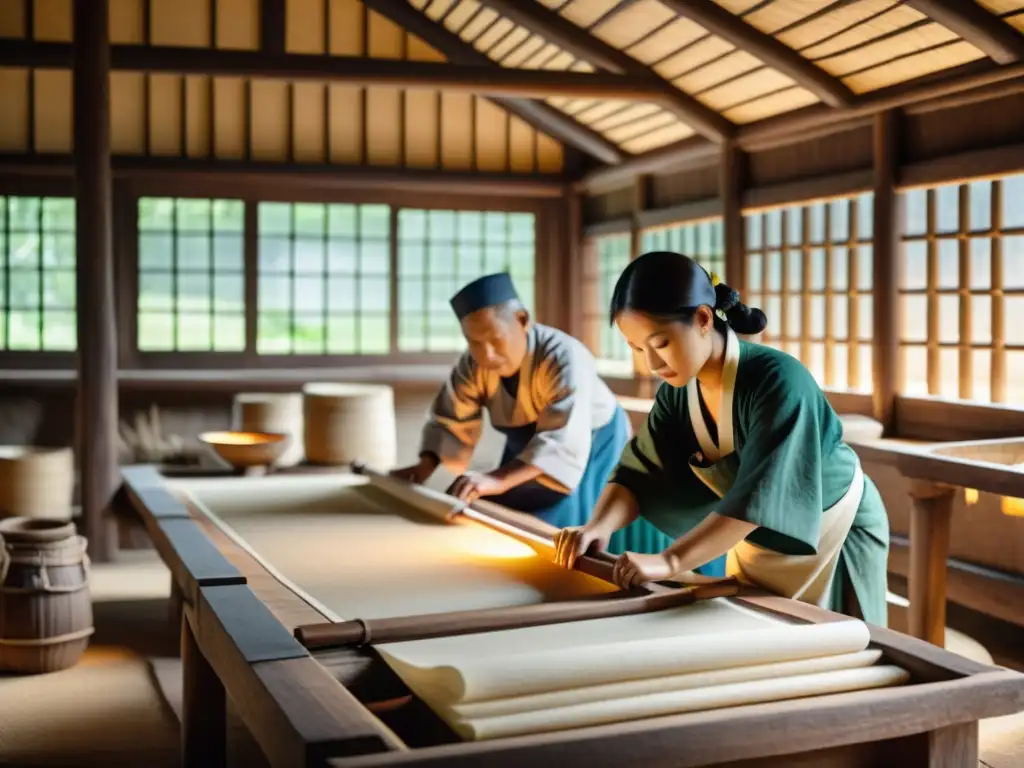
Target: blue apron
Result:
[554, 507]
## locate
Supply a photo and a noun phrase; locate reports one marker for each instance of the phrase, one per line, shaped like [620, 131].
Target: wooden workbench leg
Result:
[929, 547]
[203, 708]
[955, 746]
[175, 607]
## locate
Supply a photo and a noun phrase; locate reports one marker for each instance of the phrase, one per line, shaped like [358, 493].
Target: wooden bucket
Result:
[273, 412]
[350, 422]
[36, 482]
[45, 607]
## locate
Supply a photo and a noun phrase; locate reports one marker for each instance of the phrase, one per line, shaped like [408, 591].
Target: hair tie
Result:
[726, 298]
[715, 279]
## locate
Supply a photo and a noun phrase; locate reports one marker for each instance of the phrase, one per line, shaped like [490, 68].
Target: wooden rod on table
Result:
[405, 628]
[517, 525]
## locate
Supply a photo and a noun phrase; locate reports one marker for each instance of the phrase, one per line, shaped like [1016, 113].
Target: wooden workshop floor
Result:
[120, 706]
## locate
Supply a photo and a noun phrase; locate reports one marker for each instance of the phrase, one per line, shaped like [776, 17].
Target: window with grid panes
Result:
[37, 274]
[962, 291]
[324, 279]
[609, 256]
[809, 267]
[441, 251]
[702, 241]
[191, 273]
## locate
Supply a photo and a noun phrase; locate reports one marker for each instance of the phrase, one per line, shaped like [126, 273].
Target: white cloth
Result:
[559, 391]
[807, 578]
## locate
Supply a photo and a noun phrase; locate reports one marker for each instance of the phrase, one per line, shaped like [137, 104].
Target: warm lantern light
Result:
[970, 496]
[1013, 507]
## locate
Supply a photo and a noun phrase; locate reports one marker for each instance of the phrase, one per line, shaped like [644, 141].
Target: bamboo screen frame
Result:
[389, 253]
[38, 255]
[962, 291]
[809, 267]
[703, 240]
[604, 258]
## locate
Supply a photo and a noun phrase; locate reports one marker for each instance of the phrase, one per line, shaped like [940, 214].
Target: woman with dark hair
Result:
[742, 455]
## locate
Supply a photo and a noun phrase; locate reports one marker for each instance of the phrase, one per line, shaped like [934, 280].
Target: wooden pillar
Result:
[97, 338]
[203, 707]
[887, 228]
[731, 181]
[645, 385]
[572, 262]
[930, 519]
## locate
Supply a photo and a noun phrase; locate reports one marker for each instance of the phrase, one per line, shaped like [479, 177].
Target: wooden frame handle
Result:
[405, 628]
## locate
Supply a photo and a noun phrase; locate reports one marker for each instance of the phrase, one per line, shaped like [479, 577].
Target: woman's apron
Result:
[807, 578]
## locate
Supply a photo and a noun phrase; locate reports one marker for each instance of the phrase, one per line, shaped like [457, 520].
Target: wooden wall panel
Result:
[198, 116]
[127, 113]
[51, 20]
[12, 20]
[271, 121]
[165, 108]
[52, 106]
[674, 189]
[14, 126]
[238, 24]
[180, 22]
[127, 22]
[308, 123]
[963, 128]
[229, 117]
[347, 124]
[824, 156]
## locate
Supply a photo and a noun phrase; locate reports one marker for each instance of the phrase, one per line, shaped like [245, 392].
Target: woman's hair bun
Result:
[725, 297]
[741, 318]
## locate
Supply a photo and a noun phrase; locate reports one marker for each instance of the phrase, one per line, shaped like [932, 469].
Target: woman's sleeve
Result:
[655, 463]
[779, 483]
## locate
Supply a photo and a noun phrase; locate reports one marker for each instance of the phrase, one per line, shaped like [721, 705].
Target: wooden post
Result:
[203, 707]
[888, 225]
[572, 256]
[97, 337]
[731, 181]
[930, 519]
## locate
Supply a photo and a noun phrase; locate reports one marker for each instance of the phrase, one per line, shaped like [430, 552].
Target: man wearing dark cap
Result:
[564, 429]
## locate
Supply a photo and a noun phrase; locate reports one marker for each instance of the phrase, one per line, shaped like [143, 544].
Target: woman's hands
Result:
[633, 569]
[571, 543]
[473, 485]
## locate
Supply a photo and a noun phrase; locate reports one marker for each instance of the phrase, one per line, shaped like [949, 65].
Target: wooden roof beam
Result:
[779, 56]
[541, 116]
[557, 29]
[971, 22]
[980, 78]
[489, 81]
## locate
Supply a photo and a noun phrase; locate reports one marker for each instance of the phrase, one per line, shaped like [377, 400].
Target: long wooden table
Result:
[344, 707]
[937, 473]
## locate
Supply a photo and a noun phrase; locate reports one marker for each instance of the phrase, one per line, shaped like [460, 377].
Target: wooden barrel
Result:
[350, 422]
[36, 482]
[276, 413]
[45, 607]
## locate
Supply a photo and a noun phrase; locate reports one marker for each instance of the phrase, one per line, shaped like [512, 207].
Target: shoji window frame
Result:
[997, 292]
[859, 382]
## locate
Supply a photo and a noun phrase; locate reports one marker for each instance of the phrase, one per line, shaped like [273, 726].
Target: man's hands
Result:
[473, 485]
[419, 472]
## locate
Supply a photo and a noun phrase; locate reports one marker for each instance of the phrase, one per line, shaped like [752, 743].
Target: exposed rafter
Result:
[779, 56]
[970, 21]
[490, 81]
[557, 29]
[541, 116]
[986, 80]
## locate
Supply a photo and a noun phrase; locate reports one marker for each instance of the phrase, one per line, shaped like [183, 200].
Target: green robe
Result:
[791, 465]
